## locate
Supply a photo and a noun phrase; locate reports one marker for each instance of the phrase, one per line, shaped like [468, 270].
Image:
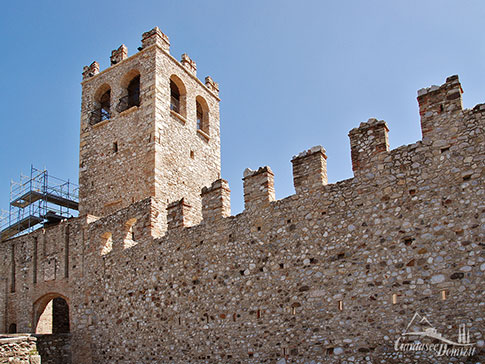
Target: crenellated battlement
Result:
[216, 201]
[367, 141]
[310, 169]
[370, 154]
[332, 273]
[178, 214]
[438, 106]
[258, 187]
[154, 37]
[119, 55]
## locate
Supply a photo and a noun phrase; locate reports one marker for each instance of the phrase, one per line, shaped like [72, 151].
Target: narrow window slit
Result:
[444, 295]
[340, 305]
[394, 298]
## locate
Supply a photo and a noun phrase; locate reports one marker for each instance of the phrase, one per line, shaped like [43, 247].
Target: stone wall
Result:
[19, 349]
[55, 348]
[333, 273]
[29, 349]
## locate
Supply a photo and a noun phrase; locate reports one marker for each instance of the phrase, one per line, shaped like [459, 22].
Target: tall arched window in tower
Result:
[134, 92]
[102, 105]
[177, 95]
[131, 91]
[174, 97]
[202, 114]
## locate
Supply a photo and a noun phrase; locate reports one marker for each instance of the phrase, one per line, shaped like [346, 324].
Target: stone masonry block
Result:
[258, 187]
[310, 169]
[216, 201]
[366, 141]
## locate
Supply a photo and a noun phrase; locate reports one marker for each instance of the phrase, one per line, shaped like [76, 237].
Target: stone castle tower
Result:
[149, 130]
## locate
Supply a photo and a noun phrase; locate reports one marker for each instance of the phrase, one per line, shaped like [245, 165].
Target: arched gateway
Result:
[51, 314]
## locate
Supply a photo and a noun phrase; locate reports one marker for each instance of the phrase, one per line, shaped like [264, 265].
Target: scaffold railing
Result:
[37, 200]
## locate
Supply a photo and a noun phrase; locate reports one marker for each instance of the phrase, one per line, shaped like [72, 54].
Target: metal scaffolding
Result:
[37, 200]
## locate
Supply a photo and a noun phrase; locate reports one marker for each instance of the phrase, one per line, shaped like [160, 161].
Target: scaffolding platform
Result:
[33, 196]
[21, 225]
[38, 200]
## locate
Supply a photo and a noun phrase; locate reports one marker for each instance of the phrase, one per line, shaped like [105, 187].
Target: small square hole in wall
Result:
[340, 305]
[192, 154]
[394, 298]
[259, 228]
[444, 295]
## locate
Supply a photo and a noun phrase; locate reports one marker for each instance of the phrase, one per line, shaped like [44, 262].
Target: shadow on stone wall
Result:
[55, 348]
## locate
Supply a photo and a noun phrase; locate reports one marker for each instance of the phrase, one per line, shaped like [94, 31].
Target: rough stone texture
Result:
[188, 63]
[216, 201]
[310, 169]
[258, 188]
[119, 54]
[91, 70]
[155, 36]
[158, 153]
[178, 214]
[307, 279]
[55, 349]
[19, 349]
[367, 141]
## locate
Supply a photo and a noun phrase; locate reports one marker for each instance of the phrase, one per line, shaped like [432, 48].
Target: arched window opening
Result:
[174, 97]
[202, 114]
[134, 92]
[177, 96]
[105, 104]
[131, 91]
[102, 102]
[12, 329]
[52, 315]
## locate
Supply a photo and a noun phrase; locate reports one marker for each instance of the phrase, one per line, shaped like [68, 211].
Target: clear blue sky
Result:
[292, 74]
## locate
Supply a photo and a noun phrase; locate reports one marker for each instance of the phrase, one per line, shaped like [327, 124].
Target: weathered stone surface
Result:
[21, 349]
[333, 273]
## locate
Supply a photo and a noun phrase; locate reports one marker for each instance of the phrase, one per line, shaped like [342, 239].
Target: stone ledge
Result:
[203, 134]
[104, 122]
[128, 111]
[312, 150]
[372, 122]
[220, 183]
[178, 116]
[248, 172]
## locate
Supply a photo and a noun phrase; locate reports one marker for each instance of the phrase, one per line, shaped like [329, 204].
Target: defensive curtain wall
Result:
[331, 274]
